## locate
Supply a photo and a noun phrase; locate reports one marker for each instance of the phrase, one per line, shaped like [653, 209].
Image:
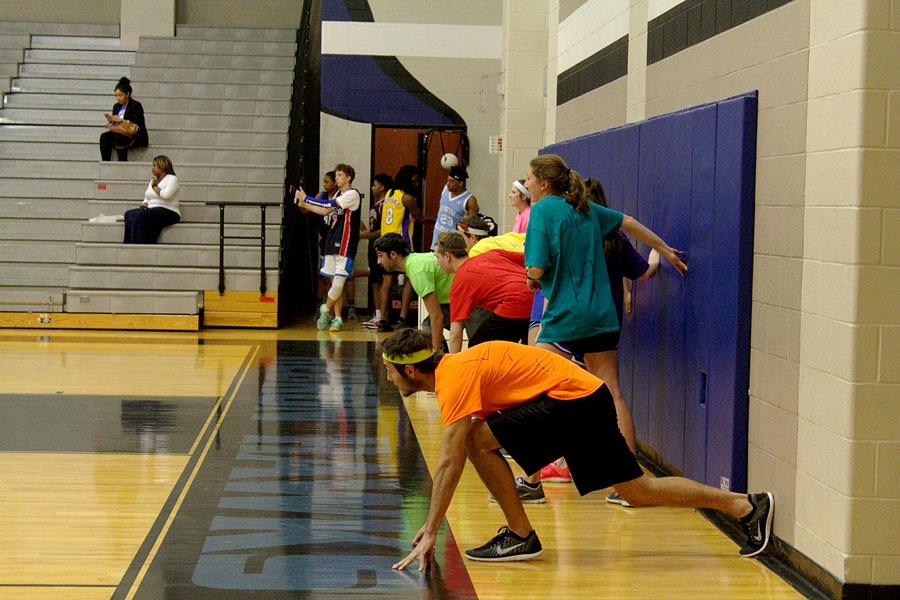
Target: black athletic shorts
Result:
[598, 343]
[495, 327]
[585, 432]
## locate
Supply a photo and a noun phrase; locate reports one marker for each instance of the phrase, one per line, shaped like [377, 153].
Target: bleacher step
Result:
[27, 274]
[182, 233]
[133, 302]
[37, 251]
[112, 56]
[32, 298]
[166, 278]
[68, 71]
[61, 85]
[191, 212]
[170, 255]
[73, 42]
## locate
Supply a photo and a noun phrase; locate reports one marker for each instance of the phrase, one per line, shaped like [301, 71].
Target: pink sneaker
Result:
[554, 474]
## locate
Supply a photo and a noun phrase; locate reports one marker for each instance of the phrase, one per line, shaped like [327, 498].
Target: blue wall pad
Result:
[684, 355]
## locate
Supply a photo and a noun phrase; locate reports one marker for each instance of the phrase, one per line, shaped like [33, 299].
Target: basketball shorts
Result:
[334, 265]
[584, 431]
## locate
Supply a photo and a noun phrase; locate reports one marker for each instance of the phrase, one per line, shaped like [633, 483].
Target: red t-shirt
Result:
[495, 281]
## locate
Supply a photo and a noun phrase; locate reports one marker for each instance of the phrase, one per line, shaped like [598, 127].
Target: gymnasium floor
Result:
[249, 464]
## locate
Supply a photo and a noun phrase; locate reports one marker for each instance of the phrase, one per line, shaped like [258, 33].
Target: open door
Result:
[393, 147]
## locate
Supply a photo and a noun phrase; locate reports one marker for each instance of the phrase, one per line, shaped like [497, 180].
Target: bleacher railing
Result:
[261, 237]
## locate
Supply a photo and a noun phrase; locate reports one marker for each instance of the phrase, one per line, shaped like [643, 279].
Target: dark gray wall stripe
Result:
[694, 21]
[604, 66]
[567, 7]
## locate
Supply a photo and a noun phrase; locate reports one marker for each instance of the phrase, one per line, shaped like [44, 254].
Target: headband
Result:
[463, 228]
[409, 359]
[522, 189]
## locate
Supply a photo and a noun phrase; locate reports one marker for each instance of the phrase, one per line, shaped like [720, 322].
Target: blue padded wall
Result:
[684, 354]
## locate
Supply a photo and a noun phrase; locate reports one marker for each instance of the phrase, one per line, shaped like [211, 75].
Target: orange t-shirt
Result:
[496, 375]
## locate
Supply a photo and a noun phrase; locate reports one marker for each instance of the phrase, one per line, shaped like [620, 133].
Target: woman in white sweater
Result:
[160, 206]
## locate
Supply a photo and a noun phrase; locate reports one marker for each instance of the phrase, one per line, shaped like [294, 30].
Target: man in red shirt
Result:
[539, 406]
[494, 281]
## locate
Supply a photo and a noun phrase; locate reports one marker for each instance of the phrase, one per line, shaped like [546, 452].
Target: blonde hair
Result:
[164, 164]
[452, 243]
[562, 181]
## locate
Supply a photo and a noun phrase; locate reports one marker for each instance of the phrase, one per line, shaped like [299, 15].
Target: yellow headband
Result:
[409, 359]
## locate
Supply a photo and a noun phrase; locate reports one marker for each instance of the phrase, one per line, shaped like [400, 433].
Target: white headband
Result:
[522, 189]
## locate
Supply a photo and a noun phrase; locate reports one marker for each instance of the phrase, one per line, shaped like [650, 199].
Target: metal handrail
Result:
[261, 237]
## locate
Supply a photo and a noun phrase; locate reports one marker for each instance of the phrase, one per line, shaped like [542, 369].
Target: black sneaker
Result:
[758, 524]
[507, 546]
[384, 326]
[528, 494]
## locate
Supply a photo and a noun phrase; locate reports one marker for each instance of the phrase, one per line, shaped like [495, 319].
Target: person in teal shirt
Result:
[564, 258]
[428, 280]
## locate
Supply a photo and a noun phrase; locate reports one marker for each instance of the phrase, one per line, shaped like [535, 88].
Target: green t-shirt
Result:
[426, 276]
[569, 247]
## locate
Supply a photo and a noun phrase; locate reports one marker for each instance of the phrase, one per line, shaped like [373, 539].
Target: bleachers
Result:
[217, 102]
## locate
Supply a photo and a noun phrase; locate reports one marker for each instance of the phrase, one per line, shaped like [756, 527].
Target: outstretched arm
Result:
[634, 227]
[437, 320]
[450, 467]
[413, 207]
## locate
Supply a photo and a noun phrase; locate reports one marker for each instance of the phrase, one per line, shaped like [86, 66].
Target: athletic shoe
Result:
[553, 473]
[384, 326]
[325, 318]
[336, 324]
[507, 546]
[758, 524]
[615, 498]
[528, 494]
[371, 323]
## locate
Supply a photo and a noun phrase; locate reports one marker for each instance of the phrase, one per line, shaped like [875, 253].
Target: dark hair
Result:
[562, 181]
[407, 341]
[392, 242]
[165, 163]
[471, 221]
[124, 85]
[403, 180]
[346, 170]
[452, 243]
[330, 174]
[614, 245]
[384, 179]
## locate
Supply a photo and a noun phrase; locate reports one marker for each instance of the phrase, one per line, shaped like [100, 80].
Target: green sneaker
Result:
[325, 318]
[336, 324]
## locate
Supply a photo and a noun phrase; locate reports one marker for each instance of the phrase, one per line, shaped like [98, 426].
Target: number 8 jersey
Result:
[394, 216]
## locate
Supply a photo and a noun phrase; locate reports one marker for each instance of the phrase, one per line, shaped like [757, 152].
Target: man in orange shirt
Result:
[539, 406]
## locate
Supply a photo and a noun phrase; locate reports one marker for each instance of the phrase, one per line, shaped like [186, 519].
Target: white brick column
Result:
[524, 109]
[146, 17]
[848, 486]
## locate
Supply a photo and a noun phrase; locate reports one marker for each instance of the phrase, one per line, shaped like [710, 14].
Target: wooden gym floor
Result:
[244, 464]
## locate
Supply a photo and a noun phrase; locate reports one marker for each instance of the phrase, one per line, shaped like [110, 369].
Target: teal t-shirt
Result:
[569, 247]
[426, 276]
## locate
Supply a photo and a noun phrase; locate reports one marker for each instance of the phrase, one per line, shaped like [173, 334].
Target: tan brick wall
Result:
[825, 340]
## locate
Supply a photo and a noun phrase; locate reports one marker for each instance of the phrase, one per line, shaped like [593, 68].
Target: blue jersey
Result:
[451, 212]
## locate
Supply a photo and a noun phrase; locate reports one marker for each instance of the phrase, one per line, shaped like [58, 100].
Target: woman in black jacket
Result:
[128, 109]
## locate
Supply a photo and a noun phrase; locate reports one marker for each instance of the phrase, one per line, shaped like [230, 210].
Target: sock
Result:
[378, 314]
[746, 518]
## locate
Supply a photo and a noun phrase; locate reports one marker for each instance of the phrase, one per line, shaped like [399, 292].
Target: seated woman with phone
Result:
[125, 126]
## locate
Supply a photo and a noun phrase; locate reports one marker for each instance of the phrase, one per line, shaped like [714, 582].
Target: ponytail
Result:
[562, 181]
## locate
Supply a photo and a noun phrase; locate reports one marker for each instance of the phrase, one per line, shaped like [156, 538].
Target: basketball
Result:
[449, 160]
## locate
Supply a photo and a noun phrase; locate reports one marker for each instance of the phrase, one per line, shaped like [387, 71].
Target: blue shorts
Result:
[334, 265]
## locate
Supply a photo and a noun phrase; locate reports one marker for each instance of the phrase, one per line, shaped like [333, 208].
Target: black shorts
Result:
[376, 272]
[585, 432]
[604, 342]
[496, 327]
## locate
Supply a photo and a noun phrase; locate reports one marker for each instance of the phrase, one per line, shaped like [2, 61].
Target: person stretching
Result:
[538, 405]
